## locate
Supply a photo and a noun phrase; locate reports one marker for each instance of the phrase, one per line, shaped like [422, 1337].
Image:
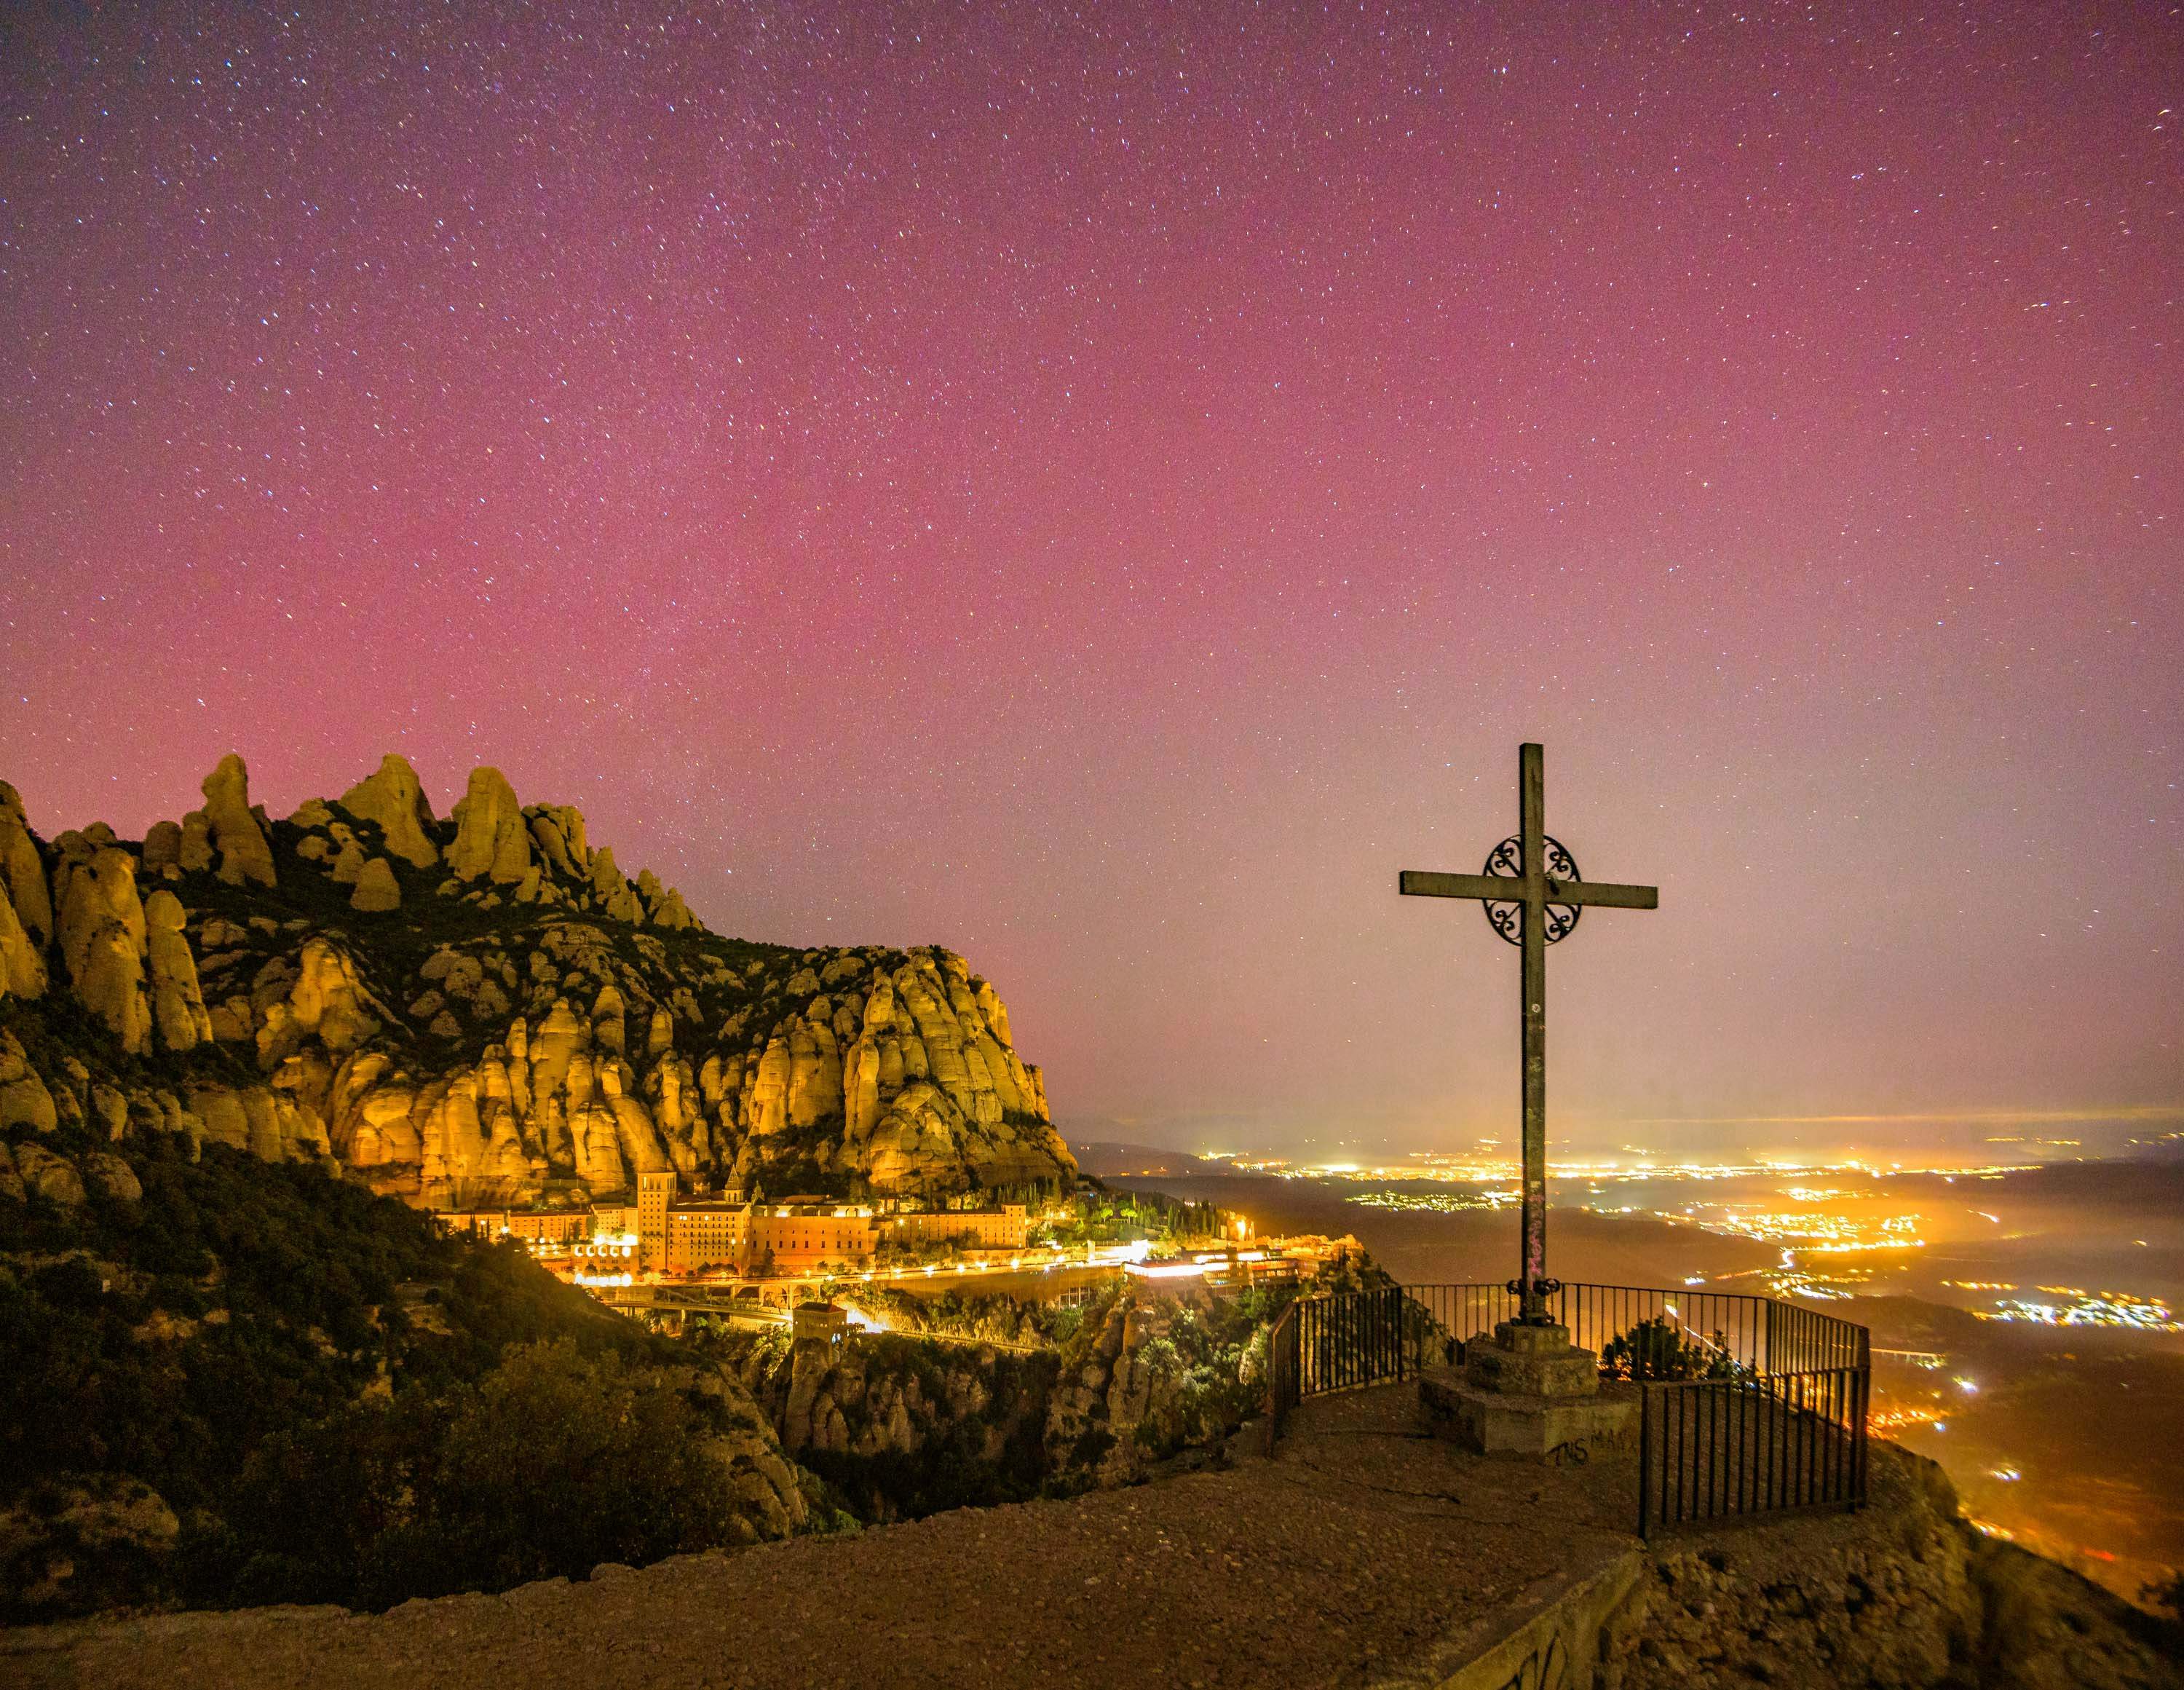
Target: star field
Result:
[1104, 489]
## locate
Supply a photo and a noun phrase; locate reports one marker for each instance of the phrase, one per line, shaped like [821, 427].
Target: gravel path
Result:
[1352, 1554]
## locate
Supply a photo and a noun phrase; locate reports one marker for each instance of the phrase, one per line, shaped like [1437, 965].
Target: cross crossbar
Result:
[1418, 883]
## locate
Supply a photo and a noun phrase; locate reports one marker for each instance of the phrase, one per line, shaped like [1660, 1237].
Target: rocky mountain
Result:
[1143, 1381]
[478, 1008]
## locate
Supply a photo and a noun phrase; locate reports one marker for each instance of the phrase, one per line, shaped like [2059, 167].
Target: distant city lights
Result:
[1438, 1202]
[1492, 1165]
[2109, 1308]
[1822, 1235]
[1899, 1416]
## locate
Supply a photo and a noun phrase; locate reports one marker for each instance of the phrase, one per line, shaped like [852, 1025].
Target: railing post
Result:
[1774, 1434]
[1860, 1433]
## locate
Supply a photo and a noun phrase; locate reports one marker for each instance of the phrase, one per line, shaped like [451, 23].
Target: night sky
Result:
[1105, 491]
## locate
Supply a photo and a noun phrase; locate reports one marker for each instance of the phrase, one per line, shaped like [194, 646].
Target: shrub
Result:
[560, 1460]
[1657, 1349]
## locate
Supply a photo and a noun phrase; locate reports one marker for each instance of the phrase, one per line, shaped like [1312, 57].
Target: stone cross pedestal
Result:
[1526, 1392]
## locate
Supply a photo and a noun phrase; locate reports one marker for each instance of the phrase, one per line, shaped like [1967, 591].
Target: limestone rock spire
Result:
[395, 798]
[22, 969]
[102, 940]
[244, 854]
[613, 893]
[491, 837]
[23, 869]
[376, 889]
[178, 1006]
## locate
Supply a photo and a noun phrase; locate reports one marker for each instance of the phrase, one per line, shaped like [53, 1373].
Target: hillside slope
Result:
[233, 1380]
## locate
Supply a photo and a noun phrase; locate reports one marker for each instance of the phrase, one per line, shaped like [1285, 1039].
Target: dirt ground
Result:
[1357, 1550]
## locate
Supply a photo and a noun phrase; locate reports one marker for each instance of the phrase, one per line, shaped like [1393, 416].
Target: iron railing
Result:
[1284, 1384]
[1323, 1344]
[1806, 1340]
[1776, 1421]
[1350, 1340]
[1715, 1450]
[1452, 1314]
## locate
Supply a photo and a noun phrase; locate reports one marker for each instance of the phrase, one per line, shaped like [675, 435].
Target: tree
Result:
[559, 1461]
[317, 1506]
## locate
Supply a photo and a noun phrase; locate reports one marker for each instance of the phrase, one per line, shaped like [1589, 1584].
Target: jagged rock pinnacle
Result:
[394, 798]
[235, 835]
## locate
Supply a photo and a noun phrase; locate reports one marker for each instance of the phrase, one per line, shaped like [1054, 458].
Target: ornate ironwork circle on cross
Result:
[1507, 861]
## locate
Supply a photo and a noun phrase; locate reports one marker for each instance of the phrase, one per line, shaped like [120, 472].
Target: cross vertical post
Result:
[1531, 786]
[1534, 896]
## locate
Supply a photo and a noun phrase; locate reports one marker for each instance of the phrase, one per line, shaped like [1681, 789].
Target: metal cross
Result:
[1533, 897]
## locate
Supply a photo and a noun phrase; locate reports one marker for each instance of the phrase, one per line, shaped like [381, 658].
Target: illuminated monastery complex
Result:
[663, 1233]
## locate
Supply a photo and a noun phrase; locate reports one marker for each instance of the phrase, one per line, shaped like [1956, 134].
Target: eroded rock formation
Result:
[491, 836]
[244, 856]
[103, 936]
[394, 798]
[178, 1006]
[1905, 1593]
[376, 890]
[22, 869]
[22, 966]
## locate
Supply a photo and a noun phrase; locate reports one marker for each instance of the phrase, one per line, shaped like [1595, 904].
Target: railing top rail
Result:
[1756, 1380]
[1602, 1284]
[1636, 1291]
[1820, 1327]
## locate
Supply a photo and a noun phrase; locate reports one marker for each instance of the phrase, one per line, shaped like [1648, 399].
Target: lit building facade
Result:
[798, 1236]
[654, 1192]
[1004, 1229]
[550, 1227]
[706, 1235]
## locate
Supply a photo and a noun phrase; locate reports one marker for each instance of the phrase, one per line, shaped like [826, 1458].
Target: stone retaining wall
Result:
[1549, 1639]
[1903, 1596]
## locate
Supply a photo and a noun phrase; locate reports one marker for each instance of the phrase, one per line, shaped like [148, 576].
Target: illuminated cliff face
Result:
[487, 1005]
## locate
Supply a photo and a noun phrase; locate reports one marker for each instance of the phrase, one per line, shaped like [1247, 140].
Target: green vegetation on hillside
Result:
[1100, 1214]
[259, 1383]
[556, 1461]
